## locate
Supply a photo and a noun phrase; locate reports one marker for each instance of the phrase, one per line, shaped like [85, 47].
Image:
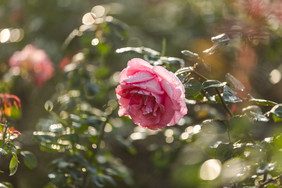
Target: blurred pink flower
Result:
[64, 62]
[151, 95]
[276, 10]
[32, 63]
[264, 9]
[257, 8]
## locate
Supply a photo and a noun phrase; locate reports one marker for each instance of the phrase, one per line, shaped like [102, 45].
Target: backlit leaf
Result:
[13, 165]
[213, 84]
[190, 54]
[263, 102]
[230, 96]
[236, 84]
[277, 113]
[2, 152]
[184, 70]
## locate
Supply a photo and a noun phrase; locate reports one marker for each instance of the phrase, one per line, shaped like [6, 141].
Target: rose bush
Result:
[32, 63]
[151, 95]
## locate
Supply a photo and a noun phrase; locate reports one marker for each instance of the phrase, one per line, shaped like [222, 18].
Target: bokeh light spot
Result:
[95, 41]
[98, 10]
[210, 169]
[5, 35]
[88, 18]
[275, 76]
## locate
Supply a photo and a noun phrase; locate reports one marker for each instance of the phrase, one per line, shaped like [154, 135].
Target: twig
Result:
[4, 135]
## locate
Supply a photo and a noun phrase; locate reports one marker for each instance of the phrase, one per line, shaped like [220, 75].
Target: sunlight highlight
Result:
[11, 35]
[88, 18]
[275, 76]
[5, 35]
[210, 169]
[98, 10]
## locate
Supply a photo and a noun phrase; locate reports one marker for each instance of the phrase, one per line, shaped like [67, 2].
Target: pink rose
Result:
[151, 95]
[32, 63]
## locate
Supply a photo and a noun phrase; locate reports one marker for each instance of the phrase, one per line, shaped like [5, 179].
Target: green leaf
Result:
[239, 127]
[171, 60]
[236, 84]
[50, 185]
[190, 54]
[109, 179]
[230, 96]
[140, 50]
[56, 128]
[254, 112]
[3, 152]
[52, 147]
[213, 84]
[257, 117]
[263, 102]
[212, 126]
[224, 151]
[13, 164]
[271, 186]
[276, 119]
[211, 50]
[98, 180]
[221, 39]
[15, 113]
[277, 142]
[47, 137]
[277, 110]
[29, 159]
[193, 87]
[6, 185]
[91, 121]
[184, 70]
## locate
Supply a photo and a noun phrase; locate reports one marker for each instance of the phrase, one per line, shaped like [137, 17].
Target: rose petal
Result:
[134, 66]
[169, 77]
[139, 77]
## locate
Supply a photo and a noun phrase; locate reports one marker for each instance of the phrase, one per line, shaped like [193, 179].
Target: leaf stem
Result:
[223, 103]
[4, 135]
[163, 47]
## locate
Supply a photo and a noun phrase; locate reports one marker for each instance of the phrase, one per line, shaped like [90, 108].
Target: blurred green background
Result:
[253, 56]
